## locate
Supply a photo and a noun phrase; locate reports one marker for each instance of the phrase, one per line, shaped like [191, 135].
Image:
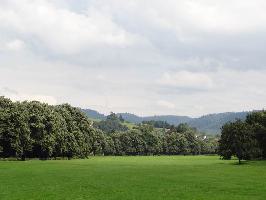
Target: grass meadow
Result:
[138, 178]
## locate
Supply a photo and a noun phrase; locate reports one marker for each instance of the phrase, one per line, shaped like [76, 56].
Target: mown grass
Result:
[123, 178]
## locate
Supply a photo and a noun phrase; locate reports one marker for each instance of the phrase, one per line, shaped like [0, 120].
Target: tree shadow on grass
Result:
[234, 162]
[243, 162]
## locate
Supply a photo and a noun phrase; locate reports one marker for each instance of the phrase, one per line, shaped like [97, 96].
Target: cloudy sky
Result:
[182, 57]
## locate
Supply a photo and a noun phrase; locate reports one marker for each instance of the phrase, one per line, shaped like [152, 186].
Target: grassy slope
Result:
[95, 120]
[158, 177]
[129, 125]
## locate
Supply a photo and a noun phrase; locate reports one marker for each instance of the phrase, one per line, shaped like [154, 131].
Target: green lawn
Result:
[122, 178]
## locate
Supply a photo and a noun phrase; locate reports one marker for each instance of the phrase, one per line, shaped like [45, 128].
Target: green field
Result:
[122, 178]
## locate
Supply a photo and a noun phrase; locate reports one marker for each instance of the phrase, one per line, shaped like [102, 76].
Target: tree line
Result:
[245, 139]
[158, 124]
[38, 130]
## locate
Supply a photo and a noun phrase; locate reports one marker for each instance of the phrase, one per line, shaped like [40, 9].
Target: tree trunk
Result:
[239, 161]
[23, 157]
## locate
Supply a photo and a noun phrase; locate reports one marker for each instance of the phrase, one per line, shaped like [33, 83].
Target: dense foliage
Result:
[244, 139]
[38, 130]
[34, 129]
[158, 124]
[111, 124]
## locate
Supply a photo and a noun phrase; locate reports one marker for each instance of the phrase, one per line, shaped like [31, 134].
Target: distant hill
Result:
[94, 114]
[131, 117]
[171, 119]
[210, 124]
[213, 123]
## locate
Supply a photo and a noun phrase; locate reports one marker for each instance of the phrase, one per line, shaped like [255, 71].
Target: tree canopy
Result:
[244, 139]
[38, 130]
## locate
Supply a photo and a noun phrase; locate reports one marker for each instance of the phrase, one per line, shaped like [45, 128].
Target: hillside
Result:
[210, 124]
[94, 114]
[171, 119]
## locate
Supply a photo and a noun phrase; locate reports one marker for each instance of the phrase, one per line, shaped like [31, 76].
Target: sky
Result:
[147, 57]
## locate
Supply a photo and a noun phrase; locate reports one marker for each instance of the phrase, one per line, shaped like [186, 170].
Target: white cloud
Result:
[12, 45]
[62, 30]
[42, 98]
[15, 45]
[141, 56]
[234, 90]
[186, 80]
[165, 104]
[189, 20]
[100, 77]
[228, 17]
[17, 96]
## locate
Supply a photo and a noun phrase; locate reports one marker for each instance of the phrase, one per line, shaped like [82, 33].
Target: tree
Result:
[22, 141]
[121, 119]
[99, 143]
[116, 137]
[111, 124]
[183, 127]
[237, 139]
[42, 127]
[257, 120]
[157, 124]
[175, 143]
[132, 143]
[80, 133]
[152, 141]
[208, 145]
[109, 146]
[14, 131]
[6, 108]
[193, 142]
[36, 129]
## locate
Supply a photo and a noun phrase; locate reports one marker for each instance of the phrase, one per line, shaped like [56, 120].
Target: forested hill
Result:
[171, 119]
[94, 114]
[211, 123]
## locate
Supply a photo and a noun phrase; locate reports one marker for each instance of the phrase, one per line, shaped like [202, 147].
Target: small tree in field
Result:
[237, 139]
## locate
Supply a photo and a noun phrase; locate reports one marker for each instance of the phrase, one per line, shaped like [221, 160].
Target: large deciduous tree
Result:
[237, 139]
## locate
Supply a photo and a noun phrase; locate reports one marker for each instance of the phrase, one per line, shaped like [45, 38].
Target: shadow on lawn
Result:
[244, 162]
